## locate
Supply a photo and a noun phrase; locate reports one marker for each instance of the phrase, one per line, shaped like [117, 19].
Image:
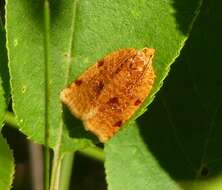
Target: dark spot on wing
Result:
[100, 63]
[78, 82]
[114, 104]
[98, 86]
[113, 100]
[118, 123]
[137, 102]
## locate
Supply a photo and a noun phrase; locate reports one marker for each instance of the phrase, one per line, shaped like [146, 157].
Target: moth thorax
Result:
[138, 62]
[148, 52]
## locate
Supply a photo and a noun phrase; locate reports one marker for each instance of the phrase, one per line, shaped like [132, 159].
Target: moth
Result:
[109, 92]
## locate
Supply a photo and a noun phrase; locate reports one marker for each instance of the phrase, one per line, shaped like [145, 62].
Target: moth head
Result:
[142, 58]
[148, 53]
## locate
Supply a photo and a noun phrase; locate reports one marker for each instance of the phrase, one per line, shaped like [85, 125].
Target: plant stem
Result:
[57, 159]
[66, 171]
[47, 99]
[54, 183]
[93, 152]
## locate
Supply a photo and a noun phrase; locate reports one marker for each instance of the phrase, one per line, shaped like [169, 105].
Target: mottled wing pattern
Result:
[123, 96]
[109, 92]
[82, 94]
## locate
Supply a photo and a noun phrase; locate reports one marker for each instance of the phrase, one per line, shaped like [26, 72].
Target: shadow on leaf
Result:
[183, 125]
[75, 126]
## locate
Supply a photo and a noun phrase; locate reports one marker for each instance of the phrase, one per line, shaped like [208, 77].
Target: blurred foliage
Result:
[7, 165]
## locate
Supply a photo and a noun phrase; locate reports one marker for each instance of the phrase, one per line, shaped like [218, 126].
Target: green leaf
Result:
[6, 165]
[26, 58]
[130, 165]
[82, 33]
[207, 184]
[6, 156]
[183, 126]
[4, 77]
[2, 104]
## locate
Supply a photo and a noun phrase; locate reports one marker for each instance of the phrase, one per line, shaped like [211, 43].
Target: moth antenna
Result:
[146, 67]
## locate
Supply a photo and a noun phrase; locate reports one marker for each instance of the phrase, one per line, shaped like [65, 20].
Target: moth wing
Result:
[120, 100]
[82, 95]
